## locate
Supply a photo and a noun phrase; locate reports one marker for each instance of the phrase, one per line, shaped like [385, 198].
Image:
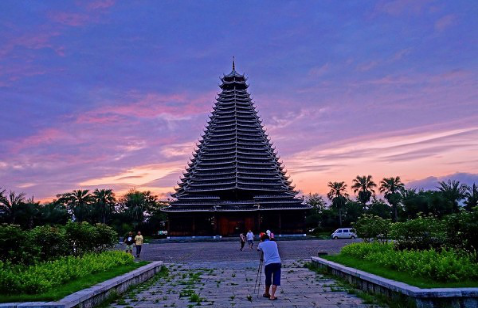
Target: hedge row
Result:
[46, 243]
[446, 265]
[43, 276]
[457, 231]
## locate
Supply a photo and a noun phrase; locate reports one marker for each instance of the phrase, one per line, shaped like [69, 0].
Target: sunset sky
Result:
[114, 94]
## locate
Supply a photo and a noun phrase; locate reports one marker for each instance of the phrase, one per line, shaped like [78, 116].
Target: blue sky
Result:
[115, 93]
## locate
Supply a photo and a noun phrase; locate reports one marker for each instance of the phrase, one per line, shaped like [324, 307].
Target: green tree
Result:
[53, 213]
[338, 197]
[353, 210]
[453, 191]
[391, 187]
[364, 185]
[471, 197]
[137, 204]
[379, 208]
[371, 228]
[28, 213]
[104, 202]
[316, 201]
[78, 202]
[12, 205]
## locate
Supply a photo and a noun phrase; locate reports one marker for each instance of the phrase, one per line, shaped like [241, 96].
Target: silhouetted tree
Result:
[391, 187]
[364, 185]
[471, 197]
[104, 202]
[11, 205]
[338, 197]
[78, 202]
[453, 191]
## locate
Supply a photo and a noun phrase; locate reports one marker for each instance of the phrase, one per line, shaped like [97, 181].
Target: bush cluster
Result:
[34, 279]
[456, 231]
[370, 227]
[446, 265]
[46, 243]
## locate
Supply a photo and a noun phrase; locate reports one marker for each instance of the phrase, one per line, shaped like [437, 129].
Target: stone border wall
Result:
[96, 294]
[399, 291]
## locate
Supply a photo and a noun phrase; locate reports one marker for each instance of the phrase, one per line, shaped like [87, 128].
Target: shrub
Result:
[371, 227]
[445, 265]
[107, 237]
[17, 246]
[420, 234]
[51, 242]
[46, 275]
[82, 236]
[461, 231]
[47, 243]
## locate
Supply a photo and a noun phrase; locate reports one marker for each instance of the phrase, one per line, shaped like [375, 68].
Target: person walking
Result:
[243, 240]
[138, 240]
[250, 239]
[272, 266]
[129, 241]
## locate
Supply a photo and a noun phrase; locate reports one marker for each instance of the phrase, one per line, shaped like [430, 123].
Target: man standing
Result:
[139, 243]
[250, 239]
[272, 265]
[129, 241]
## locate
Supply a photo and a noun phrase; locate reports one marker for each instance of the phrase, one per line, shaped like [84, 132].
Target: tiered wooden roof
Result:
[235, 166]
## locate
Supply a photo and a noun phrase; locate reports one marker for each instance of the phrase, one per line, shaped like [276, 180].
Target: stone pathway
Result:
[231, 284]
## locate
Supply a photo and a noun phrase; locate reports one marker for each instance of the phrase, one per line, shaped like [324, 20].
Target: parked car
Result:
[345, 232]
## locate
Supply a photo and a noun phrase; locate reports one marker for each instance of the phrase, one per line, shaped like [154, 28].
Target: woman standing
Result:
[243, 240]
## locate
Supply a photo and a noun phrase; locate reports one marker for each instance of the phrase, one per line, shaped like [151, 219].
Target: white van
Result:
[345, 232]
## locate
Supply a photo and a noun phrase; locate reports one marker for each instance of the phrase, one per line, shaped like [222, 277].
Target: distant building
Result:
[235, 181]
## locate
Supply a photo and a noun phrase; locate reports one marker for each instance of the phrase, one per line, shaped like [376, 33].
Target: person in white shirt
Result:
[270, 234]
[250, 239]
[272, 265]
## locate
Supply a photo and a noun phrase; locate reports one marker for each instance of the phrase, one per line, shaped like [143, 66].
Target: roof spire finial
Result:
[233, 64]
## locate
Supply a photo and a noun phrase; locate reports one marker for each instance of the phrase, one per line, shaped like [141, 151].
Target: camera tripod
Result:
[258, 278]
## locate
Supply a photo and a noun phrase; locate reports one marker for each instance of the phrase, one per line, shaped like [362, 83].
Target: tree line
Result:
[138, 210]
[398, 203]
[141, 210]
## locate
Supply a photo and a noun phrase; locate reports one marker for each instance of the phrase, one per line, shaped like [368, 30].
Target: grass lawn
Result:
[66, 289]
[396, 275]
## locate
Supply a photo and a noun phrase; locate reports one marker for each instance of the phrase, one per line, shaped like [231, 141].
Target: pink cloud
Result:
[152, 105]
[367, 66]
[445, 22]
[46, 136]
[399, 7]
[71, 19]
[32, 40]
[320, 70]
[91, 118]
[401, 54]
[100, 4]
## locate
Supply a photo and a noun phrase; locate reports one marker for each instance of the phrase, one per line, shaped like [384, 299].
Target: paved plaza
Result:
[217, 274]
[229, 250]
[231, 284]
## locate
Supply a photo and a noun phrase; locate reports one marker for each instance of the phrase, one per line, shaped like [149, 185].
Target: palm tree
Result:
[11, 204]
[453, 191]
[471, 197]
[104, 201]
[392, 187]
[337, 196]
[364, 185]
[136, 204]
[79, 202]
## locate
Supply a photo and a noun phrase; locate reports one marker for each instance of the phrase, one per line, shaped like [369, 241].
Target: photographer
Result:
[272, 263]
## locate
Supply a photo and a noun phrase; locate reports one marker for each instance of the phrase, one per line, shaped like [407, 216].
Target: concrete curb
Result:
[96, 294]
[455, 297]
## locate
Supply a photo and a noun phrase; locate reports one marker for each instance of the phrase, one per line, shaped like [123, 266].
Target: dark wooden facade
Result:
[234, 181]
[233, 223]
